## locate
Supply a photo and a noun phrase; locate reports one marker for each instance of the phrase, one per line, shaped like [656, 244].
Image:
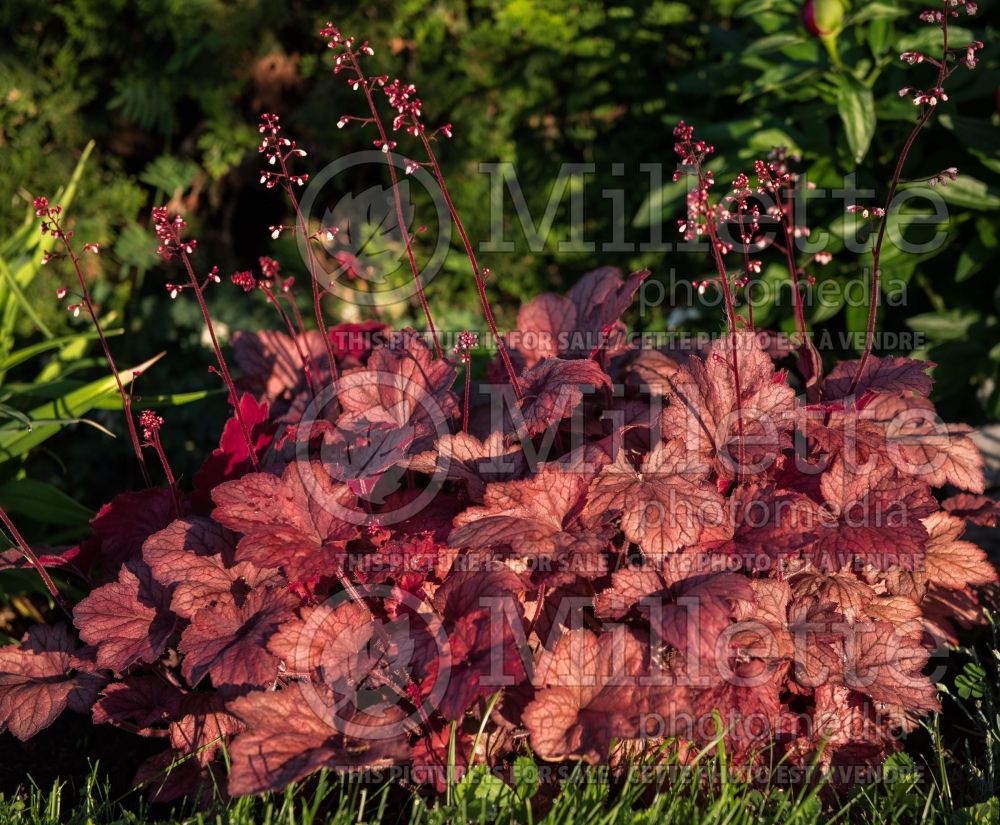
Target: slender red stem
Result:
[745, 242]
[296, 314]
[223, 367]
[873, 303]
[304, 356]
[788, 225]
[33, 560]
[303, 228]
[468, 383]
[400, 217]
[480, 282]
[89, 304]
[727, 293]
[157, 445]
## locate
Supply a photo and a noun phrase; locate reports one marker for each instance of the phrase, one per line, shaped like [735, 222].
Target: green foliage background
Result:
[170, 91]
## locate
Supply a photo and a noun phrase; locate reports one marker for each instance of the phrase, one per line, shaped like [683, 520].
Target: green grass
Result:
[951, 778]
[907, 796]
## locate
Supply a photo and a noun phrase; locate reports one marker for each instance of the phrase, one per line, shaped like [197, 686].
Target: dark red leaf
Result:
[703, 410]
[231, 459]
[123, 524]
[129, 621]
[552, 390]
[536, 517]
[588, 686]
[463, 457]
[977, 509]
[195, 557]
[288, 739]
[139, 701]
[663, 505]
[41, 678]
[229, 642]
[299, 522]
[403, 385]
[885, 375]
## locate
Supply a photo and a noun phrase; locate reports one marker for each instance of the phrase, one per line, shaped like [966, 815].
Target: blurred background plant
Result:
[170, 92]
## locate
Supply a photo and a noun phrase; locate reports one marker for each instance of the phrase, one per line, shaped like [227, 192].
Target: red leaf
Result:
[587, 695]
[849, 594]
[229, 641]
[363, 455]
[231, 459]
[481, 657]
[298, 522]
[949, 562]
[41, 678]
[545, 326]
[402, 386]
[601, 296]
[703, 409]
[655, 371]
[770, 524]
[884, 375]
[762, 624]
[748, 710]
[663, 506]
[289, 739]
[552, 390]
[693, 614]
[977, 509]
[843, 719]
[885, 662]
[875, 516]
[129, 621]
[463, 457]
[195, 558]
[553, 326]
[140, 701]
[536, 517]
[191, 767]
[355, 341]
[919, 444]
[203, 726]
[465, 592]
[124, 523]
[944, 610]
[271, 366]
[329, 644]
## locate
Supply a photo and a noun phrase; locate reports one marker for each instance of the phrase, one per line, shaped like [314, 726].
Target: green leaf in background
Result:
[856, 322]
[875, 11]
[22, 300]
[970, 193]
[773, 42]
[952, 325]
[525, 776]
[15, 441]
[973, 258]
[26, 353]
[42, 502]
[177, 399]
[857, 111]
[169, 174]
[481, 794]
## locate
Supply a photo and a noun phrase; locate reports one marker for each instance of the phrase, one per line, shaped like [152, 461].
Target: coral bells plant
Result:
[606, 551]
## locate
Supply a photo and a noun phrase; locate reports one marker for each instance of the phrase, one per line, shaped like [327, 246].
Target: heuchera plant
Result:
[604, 551]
